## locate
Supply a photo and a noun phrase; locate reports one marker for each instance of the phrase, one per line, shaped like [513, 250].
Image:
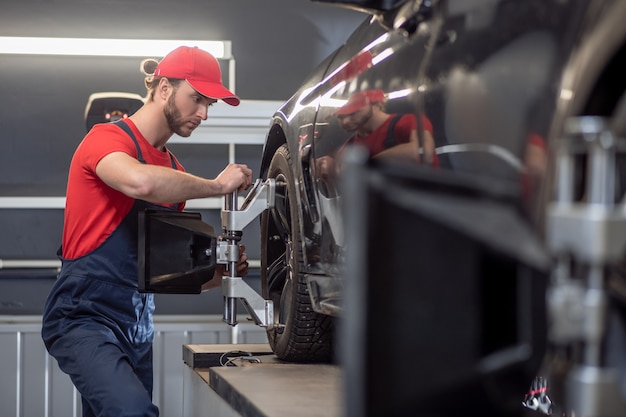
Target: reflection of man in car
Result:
[383, 134]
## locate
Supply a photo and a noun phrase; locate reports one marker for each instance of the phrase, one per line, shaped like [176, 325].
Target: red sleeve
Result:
[93, 209]
[103, 140]
[407, 123]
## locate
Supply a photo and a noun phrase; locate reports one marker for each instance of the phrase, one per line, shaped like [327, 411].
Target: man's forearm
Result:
[164, 185]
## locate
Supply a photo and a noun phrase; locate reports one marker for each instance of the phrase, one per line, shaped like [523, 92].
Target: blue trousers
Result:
[101, 336]
[110, 382]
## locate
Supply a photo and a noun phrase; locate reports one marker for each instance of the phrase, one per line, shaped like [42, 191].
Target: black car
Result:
[499, 86]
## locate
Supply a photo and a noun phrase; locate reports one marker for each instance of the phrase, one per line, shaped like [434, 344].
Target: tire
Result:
[300, 334]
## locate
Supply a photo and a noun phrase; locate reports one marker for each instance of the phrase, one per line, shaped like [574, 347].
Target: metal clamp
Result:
[260, 198]
[587, 229]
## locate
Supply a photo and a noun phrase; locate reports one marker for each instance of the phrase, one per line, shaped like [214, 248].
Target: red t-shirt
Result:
[93, 210]
[375, 141]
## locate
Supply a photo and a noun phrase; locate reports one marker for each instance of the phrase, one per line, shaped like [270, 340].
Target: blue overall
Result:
[99, 327]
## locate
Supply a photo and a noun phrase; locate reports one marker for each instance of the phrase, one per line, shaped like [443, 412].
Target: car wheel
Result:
[300, 334]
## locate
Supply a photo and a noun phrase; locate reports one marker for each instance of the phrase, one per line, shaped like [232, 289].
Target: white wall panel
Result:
[32, 385]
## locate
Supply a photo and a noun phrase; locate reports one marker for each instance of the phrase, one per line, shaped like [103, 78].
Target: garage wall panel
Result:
[32, 385]
[8, 366]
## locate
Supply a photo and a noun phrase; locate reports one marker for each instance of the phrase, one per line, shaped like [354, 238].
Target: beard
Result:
[354, 124]
[175, 121]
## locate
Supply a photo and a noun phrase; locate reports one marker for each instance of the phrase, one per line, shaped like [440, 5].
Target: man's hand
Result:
[220, 270]
[235, 177]
[326, 168]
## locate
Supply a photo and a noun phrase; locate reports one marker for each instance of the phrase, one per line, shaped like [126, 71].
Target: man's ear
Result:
[164, 88]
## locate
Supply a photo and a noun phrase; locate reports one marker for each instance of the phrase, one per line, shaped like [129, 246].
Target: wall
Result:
[32, 384]
[275, 43]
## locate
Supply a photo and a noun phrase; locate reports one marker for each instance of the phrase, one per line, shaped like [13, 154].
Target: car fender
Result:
[588, 61]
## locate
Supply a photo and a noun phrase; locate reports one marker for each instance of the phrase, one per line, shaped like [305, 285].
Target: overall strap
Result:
[122, 125]
[390, 139]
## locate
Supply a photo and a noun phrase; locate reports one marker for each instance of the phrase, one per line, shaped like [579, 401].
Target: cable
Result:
[237, 354]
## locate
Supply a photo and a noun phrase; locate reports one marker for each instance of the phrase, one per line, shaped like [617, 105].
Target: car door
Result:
[490, 88]
[377, 58]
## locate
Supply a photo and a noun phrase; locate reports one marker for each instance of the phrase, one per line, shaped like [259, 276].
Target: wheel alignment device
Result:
[260, 198]
[590, 232]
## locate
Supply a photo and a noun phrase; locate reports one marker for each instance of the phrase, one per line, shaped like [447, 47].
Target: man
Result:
[383, 134]
[95, 322]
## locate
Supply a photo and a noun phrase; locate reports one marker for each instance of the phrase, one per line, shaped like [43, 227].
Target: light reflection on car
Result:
[492, 81]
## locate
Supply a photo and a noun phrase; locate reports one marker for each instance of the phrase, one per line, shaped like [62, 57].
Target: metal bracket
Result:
[260, 198]
[591, 231]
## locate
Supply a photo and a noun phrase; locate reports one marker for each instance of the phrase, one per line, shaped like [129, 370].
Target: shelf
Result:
[246, 124]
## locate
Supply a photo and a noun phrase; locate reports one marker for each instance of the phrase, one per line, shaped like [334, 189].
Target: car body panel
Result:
[489, 75]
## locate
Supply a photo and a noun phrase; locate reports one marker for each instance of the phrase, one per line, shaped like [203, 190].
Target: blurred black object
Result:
[110, 107]
[444, 296]
[176, 252]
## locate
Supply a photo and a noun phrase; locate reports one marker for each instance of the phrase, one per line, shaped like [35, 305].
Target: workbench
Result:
[247, 380]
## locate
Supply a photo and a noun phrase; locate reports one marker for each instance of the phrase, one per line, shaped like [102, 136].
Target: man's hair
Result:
[148, 66]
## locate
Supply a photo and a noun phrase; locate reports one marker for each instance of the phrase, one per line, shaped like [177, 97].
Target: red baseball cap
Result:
[359, 100]
[200, 69]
